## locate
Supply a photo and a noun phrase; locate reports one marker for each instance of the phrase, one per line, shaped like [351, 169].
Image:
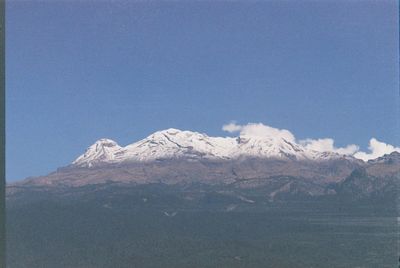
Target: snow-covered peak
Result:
[270, 146]
[174, 143]
[106, 143]
[103, 150]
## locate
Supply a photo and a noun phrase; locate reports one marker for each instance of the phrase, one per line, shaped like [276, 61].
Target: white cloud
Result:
[259, 130]
[231, 127]
[377, 149]
[327, 145]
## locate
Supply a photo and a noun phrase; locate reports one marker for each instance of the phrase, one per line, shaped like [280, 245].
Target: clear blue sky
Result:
[78, 71]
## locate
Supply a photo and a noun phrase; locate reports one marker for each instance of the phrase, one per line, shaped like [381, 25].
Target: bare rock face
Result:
[387, 165]
[379, 177]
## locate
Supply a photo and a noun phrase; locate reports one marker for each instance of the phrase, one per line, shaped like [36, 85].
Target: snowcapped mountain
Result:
[174, 144]
[270, 147]
[103, 150]
[273, 162]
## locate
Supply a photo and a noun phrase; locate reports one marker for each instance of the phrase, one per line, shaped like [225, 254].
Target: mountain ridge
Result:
[173, 144]
[275, 164]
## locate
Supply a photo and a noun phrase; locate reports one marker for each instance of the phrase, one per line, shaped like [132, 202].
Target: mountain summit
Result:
[174, 144]
[103, 150]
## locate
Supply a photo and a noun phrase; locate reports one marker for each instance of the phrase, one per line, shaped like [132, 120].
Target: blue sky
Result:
[77, 71]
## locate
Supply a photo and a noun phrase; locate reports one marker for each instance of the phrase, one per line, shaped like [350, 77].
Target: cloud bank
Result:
[327, 145]
[259, 130]
[376, 148]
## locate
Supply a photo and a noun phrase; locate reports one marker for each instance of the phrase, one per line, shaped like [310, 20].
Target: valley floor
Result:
[121, 233]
